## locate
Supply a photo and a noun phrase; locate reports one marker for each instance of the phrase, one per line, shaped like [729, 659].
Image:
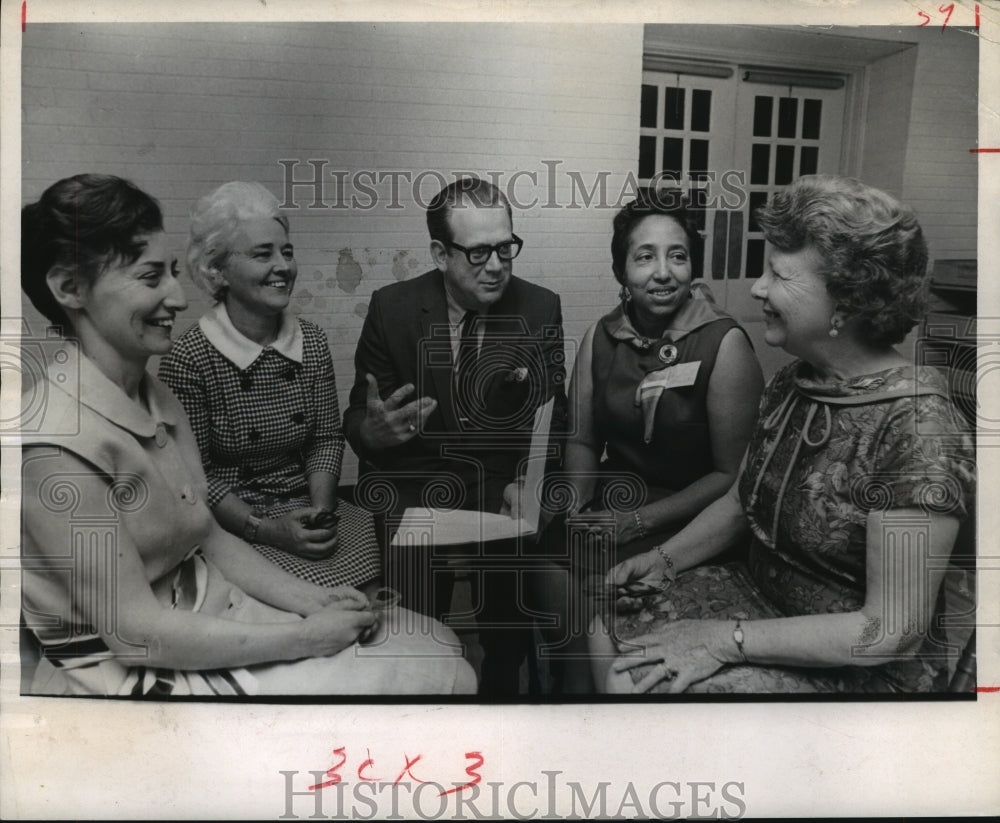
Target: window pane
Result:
[647, 119]
[763, 108]
[647, 157]
[701, 110]
[811, 111]
[673, 156]
[698, 160]
[788, 109]
[673, 113]
[784, 165]
[698, 198]
[757, 199]
[734, 256]
[719, 241]
[760, 161]
[755, 258]
[809, 160]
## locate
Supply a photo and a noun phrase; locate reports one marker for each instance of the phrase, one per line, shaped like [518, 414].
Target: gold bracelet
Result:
[670, 572]
[640, 527]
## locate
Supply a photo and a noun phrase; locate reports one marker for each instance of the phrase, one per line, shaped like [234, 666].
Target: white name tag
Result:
[672, 377]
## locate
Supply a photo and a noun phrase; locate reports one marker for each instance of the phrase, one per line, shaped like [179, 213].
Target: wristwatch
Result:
[251, 526]
[738, 639]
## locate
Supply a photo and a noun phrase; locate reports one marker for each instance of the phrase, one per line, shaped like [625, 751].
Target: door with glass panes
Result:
[731, 143]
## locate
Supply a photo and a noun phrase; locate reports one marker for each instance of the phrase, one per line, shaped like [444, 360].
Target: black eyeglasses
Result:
[478, 255]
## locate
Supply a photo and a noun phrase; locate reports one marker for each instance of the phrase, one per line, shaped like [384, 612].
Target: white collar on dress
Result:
[241, 350]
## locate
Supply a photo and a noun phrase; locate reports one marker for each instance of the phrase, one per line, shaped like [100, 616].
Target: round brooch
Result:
[668, 354]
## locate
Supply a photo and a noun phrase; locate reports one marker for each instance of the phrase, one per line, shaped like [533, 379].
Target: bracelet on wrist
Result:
[670, 571]
[251, 526]
[738, 639]
[639, 525]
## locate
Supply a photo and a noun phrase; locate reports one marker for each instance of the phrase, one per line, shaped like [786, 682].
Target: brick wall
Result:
[180, 109]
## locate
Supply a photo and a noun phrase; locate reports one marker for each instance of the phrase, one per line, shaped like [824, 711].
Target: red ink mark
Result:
[24, 16]
[987, 689]
[369, 762]
[332, 771]
[474, 760]
[470, 771]
[977, 15]
[406, 769]
[947, 11]
[984, 151]
[926, 16]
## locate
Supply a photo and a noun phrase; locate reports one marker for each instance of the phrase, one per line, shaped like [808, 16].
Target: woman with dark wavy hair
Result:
[852, 489]
[662, 402]
[665, 386]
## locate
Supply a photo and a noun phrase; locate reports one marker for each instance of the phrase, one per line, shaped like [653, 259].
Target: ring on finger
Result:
[411, 428]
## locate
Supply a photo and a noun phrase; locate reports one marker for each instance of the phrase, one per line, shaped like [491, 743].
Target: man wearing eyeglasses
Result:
[450, 368]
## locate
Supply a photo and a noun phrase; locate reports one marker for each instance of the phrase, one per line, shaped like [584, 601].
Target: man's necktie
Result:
[468, 345]
[465, 363]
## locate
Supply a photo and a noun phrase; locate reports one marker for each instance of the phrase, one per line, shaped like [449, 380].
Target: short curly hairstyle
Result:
[215, 220]
[82, 223]
[648, 201]
[873, 250]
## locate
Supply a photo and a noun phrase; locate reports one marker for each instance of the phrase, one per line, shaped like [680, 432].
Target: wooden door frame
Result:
[675, 42]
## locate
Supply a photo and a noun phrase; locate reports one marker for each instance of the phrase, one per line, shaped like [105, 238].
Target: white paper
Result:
[445, 527]
[448, 527]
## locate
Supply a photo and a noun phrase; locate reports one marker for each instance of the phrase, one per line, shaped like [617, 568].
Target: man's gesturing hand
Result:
[390, 422]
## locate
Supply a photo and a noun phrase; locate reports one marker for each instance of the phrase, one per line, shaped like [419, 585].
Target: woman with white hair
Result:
[257, 383]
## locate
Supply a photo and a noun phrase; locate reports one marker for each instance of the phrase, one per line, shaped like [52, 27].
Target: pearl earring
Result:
[835, 324]
[625, 295]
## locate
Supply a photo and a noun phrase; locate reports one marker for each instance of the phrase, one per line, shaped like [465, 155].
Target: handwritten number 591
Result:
[947, 11]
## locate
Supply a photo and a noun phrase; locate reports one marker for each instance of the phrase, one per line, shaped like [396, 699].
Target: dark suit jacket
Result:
[467, 450]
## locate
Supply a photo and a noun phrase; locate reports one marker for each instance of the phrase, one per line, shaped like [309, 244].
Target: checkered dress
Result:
[262, 431]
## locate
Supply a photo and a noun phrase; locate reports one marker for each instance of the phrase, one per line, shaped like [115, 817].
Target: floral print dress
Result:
[825, 454]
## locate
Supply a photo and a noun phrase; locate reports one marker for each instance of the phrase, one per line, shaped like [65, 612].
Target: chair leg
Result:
[531, 661]
[964, 679]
